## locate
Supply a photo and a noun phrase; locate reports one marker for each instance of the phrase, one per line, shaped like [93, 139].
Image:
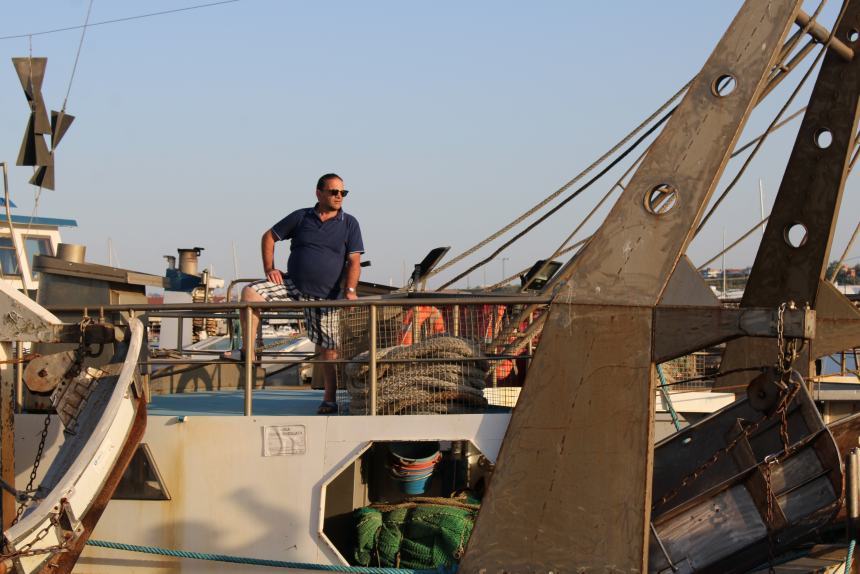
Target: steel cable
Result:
[117, 20]
[564, 187]
[775, 121]
[566, 200]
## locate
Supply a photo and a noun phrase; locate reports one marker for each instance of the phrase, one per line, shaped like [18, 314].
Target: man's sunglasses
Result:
[333, 192]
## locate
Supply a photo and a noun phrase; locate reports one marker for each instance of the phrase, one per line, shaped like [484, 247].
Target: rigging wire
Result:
[564, 187]
[117, 20]
[779, 114]
[760, 142]
[785, 53]
[736, 242]
[77, 55]
[566, 200]
[619, 183]
[38, 193]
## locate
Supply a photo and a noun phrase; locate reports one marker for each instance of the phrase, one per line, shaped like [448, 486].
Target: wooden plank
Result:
[63, 563]
[714, 529]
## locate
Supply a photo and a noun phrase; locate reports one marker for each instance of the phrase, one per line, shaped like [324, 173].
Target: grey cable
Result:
[116, 20]
[564, 187]
[78, 54]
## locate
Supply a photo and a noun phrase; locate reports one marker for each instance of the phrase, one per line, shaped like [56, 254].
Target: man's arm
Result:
[353, 271]
[267, 249]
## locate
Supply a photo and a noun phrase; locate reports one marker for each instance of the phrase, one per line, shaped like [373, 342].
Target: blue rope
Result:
[849, 556]
[668, 399]
[263, 562]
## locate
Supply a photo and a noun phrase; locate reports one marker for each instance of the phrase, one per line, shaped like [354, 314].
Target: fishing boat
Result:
[570, 479]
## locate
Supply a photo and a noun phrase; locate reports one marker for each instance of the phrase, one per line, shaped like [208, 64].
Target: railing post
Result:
[249, 358]
[371, 369]
[455, 318]
[180, 332]
[19, 377]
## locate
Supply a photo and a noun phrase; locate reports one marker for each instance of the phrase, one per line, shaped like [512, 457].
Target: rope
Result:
[259, 561]
[618, 184]
[454, 385]
[564, 187]
[733, 245]
[850, 556]
[566, 200]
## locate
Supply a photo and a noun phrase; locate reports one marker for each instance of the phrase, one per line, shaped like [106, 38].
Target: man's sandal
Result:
[327, 408]
[237, 355]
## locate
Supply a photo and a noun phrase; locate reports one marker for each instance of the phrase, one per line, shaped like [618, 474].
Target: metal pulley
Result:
[764, 391]
[42, 374]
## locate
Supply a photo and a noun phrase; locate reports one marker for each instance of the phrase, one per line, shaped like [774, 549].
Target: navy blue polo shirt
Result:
[318, 249]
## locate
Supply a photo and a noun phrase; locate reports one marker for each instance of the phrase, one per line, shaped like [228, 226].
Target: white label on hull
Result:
[283, 440]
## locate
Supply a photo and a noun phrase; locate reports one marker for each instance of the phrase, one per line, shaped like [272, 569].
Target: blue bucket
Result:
[413, 463]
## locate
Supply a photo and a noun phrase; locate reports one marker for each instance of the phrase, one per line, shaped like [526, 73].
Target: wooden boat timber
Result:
[108, 417]
[569, 491]
[728, 491]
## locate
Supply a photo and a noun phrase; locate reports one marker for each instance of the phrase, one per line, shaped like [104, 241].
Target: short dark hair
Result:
[326, 178]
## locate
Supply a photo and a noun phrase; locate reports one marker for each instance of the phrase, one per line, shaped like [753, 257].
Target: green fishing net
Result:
[418, 535]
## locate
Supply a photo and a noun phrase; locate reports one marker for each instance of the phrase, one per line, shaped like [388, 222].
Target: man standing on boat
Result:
[325, 246]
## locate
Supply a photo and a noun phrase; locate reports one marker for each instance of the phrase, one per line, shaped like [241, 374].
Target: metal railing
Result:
[383, 323]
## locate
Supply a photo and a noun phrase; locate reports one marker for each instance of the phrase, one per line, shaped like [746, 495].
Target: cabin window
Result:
[8, 262]
[36, 246]
[33, 245]
[141, 480]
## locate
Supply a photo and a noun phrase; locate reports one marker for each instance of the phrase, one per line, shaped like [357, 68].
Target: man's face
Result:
[326, 199]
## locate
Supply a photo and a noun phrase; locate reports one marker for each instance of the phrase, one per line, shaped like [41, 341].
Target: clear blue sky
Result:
[446, 120]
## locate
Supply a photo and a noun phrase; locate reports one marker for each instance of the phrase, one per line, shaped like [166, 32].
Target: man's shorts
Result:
[322, 322]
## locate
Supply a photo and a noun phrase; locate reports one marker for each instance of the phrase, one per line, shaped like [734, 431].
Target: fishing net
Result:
[452, 383]
[422, 533]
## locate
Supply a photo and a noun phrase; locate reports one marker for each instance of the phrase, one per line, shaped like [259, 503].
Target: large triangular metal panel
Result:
[60, 122]
[34, 150]
[44, 177]
[31, 73]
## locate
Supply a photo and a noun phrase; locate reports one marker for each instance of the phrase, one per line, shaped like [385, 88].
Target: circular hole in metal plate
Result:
[661, 199]
[853, 35]
[795, 234]
[823, 138]
[724, 85]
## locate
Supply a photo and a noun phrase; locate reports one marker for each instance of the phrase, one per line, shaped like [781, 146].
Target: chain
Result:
[74, 371]
[786, 351]
[36, 462]
[771, 496]
[787, 354]
[28, 550]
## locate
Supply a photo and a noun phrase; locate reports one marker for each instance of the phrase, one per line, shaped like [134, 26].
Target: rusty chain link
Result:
[29, 488]
[28, 550]
[787, 354]
[77, 365]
